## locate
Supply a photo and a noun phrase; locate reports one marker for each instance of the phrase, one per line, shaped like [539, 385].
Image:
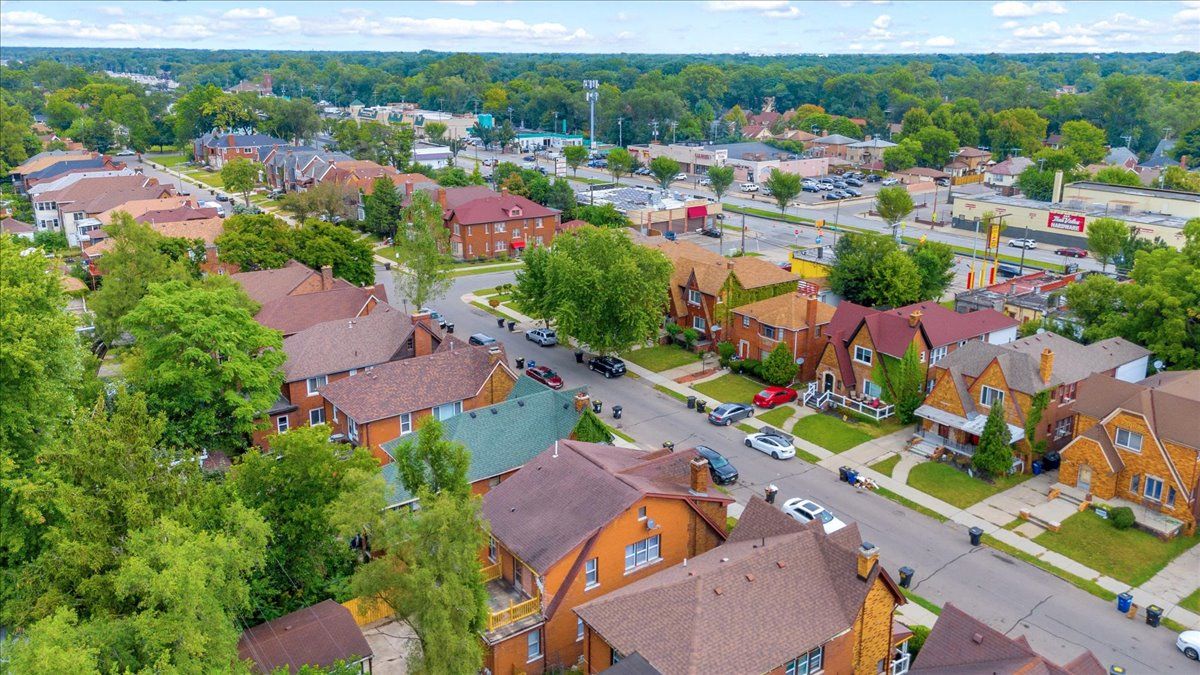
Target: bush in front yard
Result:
[690, 337]
[725, 351]
[994, 455]
[1121, 517]
[752, 366]
[779, 368]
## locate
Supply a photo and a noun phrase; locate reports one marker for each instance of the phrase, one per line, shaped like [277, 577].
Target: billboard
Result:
[1065, 221]
[994, 237]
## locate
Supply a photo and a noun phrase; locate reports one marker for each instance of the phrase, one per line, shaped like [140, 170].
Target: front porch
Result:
[872, 408]
[511, 610]
[1148, 518]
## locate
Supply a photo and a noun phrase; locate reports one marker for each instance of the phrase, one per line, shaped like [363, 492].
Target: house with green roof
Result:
[502, 437]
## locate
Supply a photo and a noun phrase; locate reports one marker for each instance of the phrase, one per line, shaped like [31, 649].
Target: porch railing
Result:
[490, 573]
[955, 446]
[863, 408]
[514, 613]
[900, 663]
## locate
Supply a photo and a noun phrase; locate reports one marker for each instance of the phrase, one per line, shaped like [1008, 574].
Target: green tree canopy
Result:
[779, 368]
[620, 163]
[1106, 237]
[137, 259]
[321, 243]
[893, 204]
[936, 146]
[994, 455]
[935, 266]
[423, 252]
[382, 208]
[605, 215]
[433, 464]
[1117, 175]
[664, 170]
[575, 156]
[240, 175]
[256, 241]
[532, 290]
[1085, 140]
[784, 187]
[720, 177]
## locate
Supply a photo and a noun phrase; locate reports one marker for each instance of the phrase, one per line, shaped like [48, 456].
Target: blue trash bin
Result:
[851, 476]
[1037, 467]
[1124, 602]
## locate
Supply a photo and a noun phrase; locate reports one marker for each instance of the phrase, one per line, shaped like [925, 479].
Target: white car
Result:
[771, 444]
[749, 187]
[806, 511]
[706, 181]
[681, 176]
[1023, 243]
[1189, 644]
[889, 181]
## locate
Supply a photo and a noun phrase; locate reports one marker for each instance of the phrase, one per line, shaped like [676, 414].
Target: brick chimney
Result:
[810, 311]
[698, 480]
[582, 401]
[1046, 368]
[326, 277]
[868, 557]
[408, 188]
[495, 355]
[230, 140]
[422, 339]
[441, 197]
[915, 318]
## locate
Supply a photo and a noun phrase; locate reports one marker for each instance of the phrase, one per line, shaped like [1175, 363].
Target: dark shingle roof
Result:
[291, 314]
[264, 286]
[342, 344]
[1020, 360]
[320, 636]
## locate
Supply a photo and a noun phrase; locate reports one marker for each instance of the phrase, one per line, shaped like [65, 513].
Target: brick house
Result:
[798, 321]
[579, 521]
[487, 224]
[215, 148]
[966, 384]
[386, 401]
[833, 145]
[861, 338]
[295, 297]
[1139, 442]
[73, 209]
[829, 600]
[968, 162]
[297, 167]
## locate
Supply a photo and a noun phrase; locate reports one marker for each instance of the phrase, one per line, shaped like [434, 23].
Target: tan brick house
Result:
[798, 321]
[1139, 442]
[777, 597]
[487, 224]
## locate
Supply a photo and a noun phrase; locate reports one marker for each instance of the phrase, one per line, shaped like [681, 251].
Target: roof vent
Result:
[780, 564]
[718, 591]
[494, 411]
[724, 559]
[472, 414]
[520, 404]
[977, 638]
[749, 577]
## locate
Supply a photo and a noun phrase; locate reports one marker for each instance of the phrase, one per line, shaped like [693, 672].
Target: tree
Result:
[902, 156]
[994, 455]
[256, 241]
[1175, 178]
[240, 175]
[575, 155]
[784, 187]
[204, 362]
[382, 208]
[435, 131]
[432, 464]
[720, 178]
[893, 204]
[1036, 184]
[56, 644]
[294, 486]
[871, 270]
[1088, 142]
[135, 261]
[1188, 146]
[935, 268]
[620, 163]
[590, 429]
[904, 386]
[505, 135]
[664, 170]
[915, 120]
[1106, 237]
[1117, 175]
[779, 368]
[532, 290]
[321, 243]
[328, 200]
[936, 146]
[606, 215]
[423, 253]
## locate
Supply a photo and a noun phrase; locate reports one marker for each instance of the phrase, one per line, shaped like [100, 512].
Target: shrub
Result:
[725, 352]
[1121, 517]
[673, 329]
[690, 336]
[50, 240]
[779, 368]
[494, 302]
[752, 366]
[917, 640]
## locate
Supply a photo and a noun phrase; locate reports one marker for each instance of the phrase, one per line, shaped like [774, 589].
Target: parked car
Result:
[831, 195]
[853, 182]
[529, 158]
[608, 366]
[810, 187]
[436, 316]
[873, 178]
[852, 192]
[766, 192]
[681, 176]
[786, 265]
[546, 376]
[481, 339]
[728, 413]
[944, 182]
[775, 445]
[491, 161]
[641, 171]
[706, 181]
[545, 337]
[222, 197]
[806, 511]
[721, 470]
[1008, 270]
[749, 187]
[1189, 643]
[889, 181]
[841, 185]
[1023, 243]
[841, 194]
[773, 396]
[713, 232]
[1071, 252]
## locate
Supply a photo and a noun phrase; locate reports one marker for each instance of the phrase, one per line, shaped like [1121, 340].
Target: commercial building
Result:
[868, 152]
[542, 140]
[752, 162]
[651, 209]
[432, 156]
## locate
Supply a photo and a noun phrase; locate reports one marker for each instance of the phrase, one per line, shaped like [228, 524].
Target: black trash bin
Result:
[387, 266]
[906, 575]
[700, 405]
[597, 406]
[1051, 460]
[499, 323]
[844, 474]
[521, 363]
[617, 412]
[578, 357]
[450, 328]
[691, 402]
[771, 491]
[1153, 615]
[976, 536]
[512, 325]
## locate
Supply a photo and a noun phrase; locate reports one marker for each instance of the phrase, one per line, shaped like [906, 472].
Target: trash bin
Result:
[700, 405]
[906, 575]
[1153, 615]
[1116, 670]
[691, 402]
[1124, 602]
[521, 363]
[617, 412]
[976, 535]
[1037, 467]
[597, 406]
[387, 266]
[770, 494]
[851, 476]
[512, 325]
[842, 471]
[578, 357]
[1051, 460]
[499, 323]
[449, 328]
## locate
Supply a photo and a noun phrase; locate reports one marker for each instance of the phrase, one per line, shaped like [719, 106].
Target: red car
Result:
[546, 376]
[773, 396]
[1071, 251]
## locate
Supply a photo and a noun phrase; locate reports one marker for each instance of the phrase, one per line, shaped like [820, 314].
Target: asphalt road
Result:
[1017, 598]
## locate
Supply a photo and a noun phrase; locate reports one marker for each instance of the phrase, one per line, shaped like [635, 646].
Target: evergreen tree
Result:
[382, 208]
[994, 455]
[590, 429]
[779, 368]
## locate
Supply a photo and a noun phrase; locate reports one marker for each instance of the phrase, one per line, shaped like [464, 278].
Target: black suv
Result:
[722, 472]
[608, 366]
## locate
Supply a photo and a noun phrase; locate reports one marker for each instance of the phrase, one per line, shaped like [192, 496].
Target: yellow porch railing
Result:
[490, 573]
[514, 612]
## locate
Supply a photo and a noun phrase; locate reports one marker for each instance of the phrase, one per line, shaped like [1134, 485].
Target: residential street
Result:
[1011, 595]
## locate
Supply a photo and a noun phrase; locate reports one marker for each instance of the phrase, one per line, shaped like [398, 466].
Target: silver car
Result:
[545, 337]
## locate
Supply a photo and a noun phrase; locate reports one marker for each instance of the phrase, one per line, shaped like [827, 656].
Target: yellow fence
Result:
[514, 613]
[379, 611]
[967, 179]
[490, 573]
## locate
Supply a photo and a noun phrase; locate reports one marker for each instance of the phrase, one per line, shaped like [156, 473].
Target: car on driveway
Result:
[728, 413]
[608, 366]
[1189, 643]
[1023, 243]
[773, 396]
[1071, 252]
[545, 375]
[774, 445]
[721, 470]
[545, 337]
[706, 181]
[806, 511]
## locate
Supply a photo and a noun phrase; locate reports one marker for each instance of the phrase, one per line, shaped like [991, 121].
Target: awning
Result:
[517, 243]
[697, 211]
[973, 426]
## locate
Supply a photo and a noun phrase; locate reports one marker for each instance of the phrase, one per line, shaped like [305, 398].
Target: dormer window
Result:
[514, 212]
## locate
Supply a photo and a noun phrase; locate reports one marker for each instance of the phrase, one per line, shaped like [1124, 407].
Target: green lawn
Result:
[886, 466]
[1079, 582]
[212, 179]
[956, 487]
[1192, 602]
[831, 433]
[1132, 556]
[730, 388]
[169, 161]
[777, 416]
[468, 271]
[660, 357]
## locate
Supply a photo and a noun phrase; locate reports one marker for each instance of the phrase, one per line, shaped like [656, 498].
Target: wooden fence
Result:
[376, 613]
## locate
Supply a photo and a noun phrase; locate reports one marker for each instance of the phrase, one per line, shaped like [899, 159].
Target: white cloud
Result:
[242, 13]
[1040, 31]
[910, 44]
[882, 21]
[791, 12]
[285, 24]
[626, 35]
[1189, 16]
[1014, 8]
[940, 41]
[622, 16]
[745, 5]
[24, 24]
[110, 10]
[1009, 25]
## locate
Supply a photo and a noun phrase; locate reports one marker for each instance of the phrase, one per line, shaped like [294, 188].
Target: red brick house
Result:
[579, 521]
[215, 148]
[798, 321]
[487, 224]
[777, 597]
[295, 297]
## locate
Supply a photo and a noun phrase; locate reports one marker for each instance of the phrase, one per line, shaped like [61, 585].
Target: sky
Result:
[715, 26]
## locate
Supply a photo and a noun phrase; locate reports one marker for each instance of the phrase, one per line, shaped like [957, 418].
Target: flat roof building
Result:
[752, 161]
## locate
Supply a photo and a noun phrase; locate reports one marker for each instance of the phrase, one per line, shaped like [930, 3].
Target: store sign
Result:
[1065, 221]
[994, 237]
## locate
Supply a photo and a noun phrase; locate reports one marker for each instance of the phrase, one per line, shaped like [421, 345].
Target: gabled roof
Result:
[786, 311]
[1020, 360]
[924, 171]
[963, 645]
[1121, 156]
[572, 490]
[97, 194]
[344, 344]
[476, 208]
[66, 165]
[139, 207]
[891, 332]
[968, 151]
[291, 314]
[14, 226]
[543, 416]
[320, 636]
[1170, 402]
[1162, 154]
[874, 143]
[263, 286]
[49, 158]
[835, 139]
[221, 139]
[1013, 166]
[707, 616]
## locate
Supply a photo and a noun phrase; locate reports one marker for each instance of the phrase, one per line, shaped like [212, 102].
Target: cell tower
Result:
[592, 90]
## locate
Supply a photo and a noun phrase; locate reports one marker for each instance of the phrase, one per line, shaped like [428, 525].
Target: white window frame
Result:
[1146, 487]
[694, 297]
[699, 324]
[745, 321]
[989, 400]
[492, 549]
[351, 430]
[316, 412]
[533, 645]
[591, 574]
[937, 354]
[1129, 437]
[578, 629]
[867, 384]
[859, 351]
[807, 664]
[314, 384]
[774, 332]
[282, 423]
[641, 553]
[405, 423]
[641, 513]
[498, 227]
[440, 414]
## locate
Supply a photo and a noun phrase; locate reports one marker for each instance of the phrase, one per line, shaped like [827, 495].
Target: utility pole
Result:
[1024, 246]
[743, 234]
[592, 87]
[654, 128]
[673, 125]
[620, 132]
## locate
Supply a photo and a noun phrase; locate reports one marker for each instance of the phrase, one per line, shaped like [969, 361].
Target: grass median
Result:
[1079, 582]
[660, 357]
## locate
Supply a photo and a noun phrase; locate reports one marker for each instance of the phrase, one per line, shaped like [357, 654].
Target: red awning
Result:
[697, 211]
[517, 243]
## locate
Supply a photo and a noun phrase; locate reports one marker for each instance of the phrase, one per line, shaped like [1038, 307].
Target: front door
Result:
[743, 349]
[828, 384]
[1084, 482]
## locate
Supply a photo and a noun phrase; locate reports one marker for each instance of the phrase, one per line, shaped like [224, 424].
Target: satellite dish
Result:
[1041, 330]
[1158, 365]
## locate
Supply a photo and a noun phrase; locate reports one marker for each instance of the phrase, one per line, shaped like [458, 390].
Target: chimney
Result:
[408, 188]
[698, 483]
[422, 339]
[868, 557]
[326, 277]
[582, 401]
[1047, 365]
[1056, 196]
[230, 141]
[810, 311]
[441, 197]
[915, 318]
[495, 354]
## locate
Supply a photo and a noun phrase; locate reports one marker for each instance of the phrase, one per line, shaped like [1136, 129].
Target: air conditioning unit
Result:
[650, 524]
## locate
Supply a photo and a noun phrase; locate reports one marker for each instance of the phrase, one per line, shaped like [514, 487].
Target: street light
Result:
[620, 132]
[592, 87]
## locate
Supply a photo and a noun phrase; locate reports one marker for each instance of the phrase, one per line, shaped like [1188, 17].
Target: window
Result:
[500, 246]
[538, 240]
[641, 513]
[990, 397]
[769, 332]
[693, 296]
[314, 384]
[1135, 483]
[457, 229]
[1068, 392]
[1062, 427]
[578, 629]
[591, 571]
[518, 575]
[1170, 497]
[641, 553]
[352, 430]
[353, 372]
[516, 233]
[806, 663]
[871, 389]
[533, 645]
[1154, 488]
[492, 549]
[405, 423]
[447, 410]
[316, 416]
[929, 385]
[499, 227]
[281, 424]
[539, 222]
[922, 356]
[862, 354]
[493, 481]
[745, 321]
[1130, 440]
[698, 323]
